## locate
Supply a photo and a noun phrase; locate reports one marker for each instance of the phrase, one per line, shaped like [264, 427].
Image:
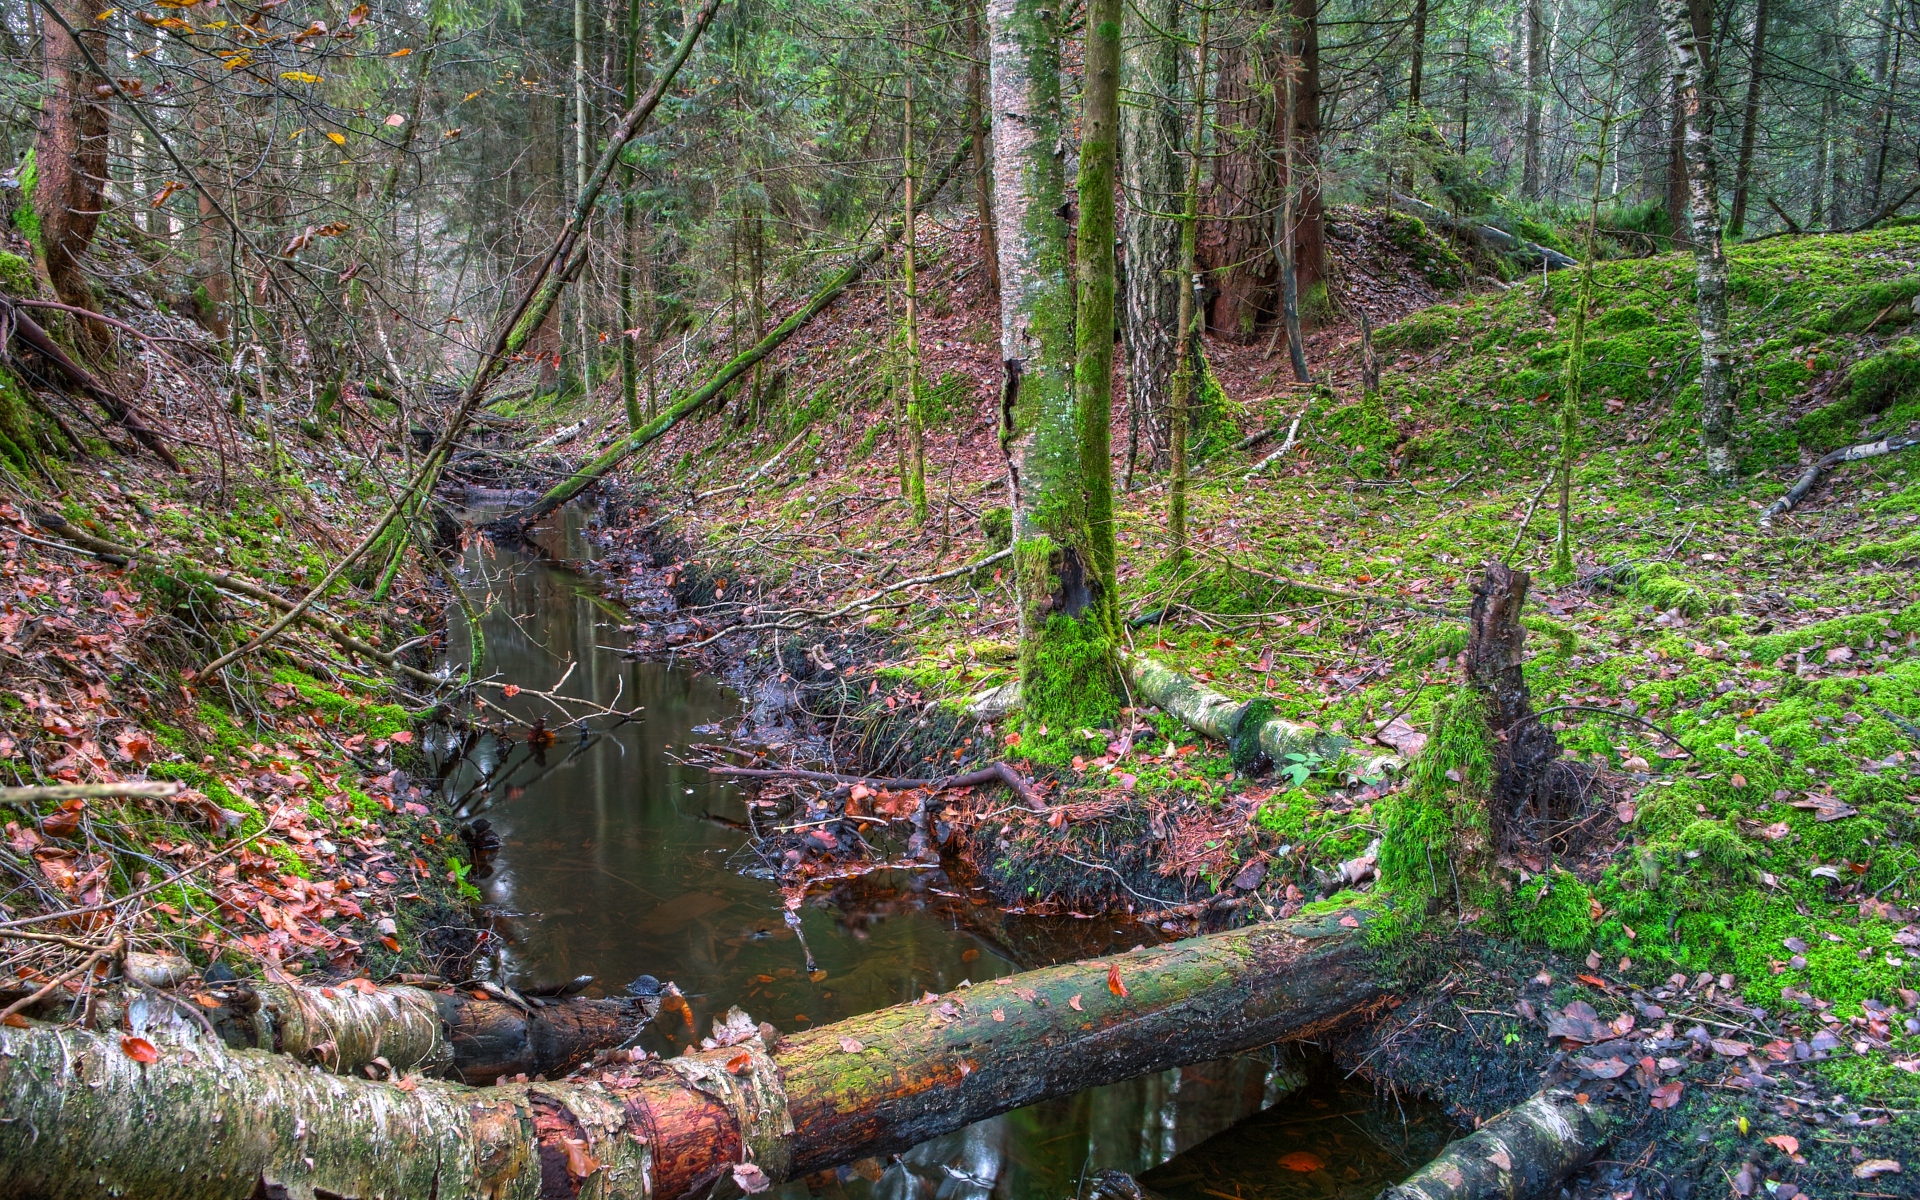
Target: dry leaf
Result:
[1667, 1094]
[1113, 982]
[1787, 1142]
[850, 1045]
[999, 1014]
[1873, 1168]
[580, 1164]
[139, 1049]
[1074, 1003]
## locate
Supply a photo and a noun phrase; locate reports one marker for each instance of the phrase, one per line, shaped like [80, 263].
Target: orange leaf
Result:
[139, 1049]
[390, 942]
[1786, 1142]
[1113, 981]
[510, 691]
[16, 1021]
[739, 1062]
[404, 737]
[1594, 981]
[580, 1164]
[1303, 1161]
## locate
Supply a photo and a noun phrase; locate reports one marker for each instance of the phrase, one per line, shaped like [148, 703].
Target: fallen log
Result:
[1492, 235]
[1525, 1153]
[1247, 726]
[1811, 478]
[719, 381]
[466, 1035]
[90, 1114]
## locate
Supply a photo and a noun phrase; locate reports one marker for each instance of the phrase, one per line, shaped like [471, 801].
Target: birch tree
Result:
[1688, 27]
[1067, 668]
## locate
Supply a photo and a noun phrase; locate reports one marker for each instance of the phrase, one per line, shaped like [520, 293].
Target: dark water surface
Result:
[618, 861]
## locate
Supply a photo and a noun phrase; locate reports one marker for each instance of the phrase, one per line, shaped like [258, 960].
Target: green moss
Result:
[1068, 680]
[996, 525]
[1424, 330]
[1661, 586]
[16, 276]
[1434, 834]
[1875, 384]
[26, 218]
[1555, 908]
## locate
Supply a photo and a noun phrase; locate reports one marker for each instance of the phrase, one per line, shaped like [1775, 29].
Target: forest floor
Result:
[301, 844]
[1727, 931]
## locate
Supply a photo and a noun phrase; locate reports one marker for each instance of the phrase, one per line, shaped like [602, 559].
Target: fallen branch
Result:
[1340, 593]
[999, 772]
[1527, 1151]
[815, 617]
[1811, 478]
[86, 1118]
[155, 789]
[759, 471]
[1277, 455]
[718, 382]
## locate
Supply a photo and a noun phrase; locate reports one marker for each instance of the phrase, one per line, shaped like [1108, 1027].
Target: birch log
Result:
[84, 1116]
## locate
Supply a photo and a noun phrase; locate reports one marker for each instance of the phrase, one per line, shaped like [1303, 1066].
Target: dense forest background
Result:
[355, 190]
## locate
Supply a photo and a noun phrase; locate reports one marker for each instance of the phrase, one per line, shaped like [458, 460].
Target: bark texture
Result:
[1094, 318]
[71, 156]
[1532, 170]
[1150, 175]
[1749, 123]
[1525, 1153]
[208, 1123]
[1688, 25]
[1536, 795]
[1066, 655]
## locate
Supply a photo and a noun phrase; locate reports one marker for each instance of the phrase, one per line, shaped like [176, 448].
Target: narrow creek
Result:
[617, 861]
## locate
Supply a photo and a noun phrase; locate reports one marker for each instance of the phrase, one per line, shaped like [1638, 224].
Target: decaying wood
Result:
[86, 1117]
[79, 377]
[155, 789]
[1536, 793]
[1525, 1153]
[1815, 473]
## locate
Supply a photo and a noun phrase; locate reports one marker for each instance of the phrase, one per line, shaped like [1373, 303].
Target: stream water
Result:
[618, 861]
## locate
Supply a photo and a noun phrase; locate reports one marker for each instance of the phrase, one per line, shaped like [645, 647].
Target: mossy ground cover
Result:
[1782, 662]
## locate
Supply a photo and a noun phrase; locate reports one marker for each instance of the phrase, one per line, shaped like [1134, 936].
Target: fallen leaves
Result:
[851, 1045]
[1873, 1168]
[1113, 982]
[139, 1049]
[1074, 1003]
[1667, 1094]
[1303, 1161]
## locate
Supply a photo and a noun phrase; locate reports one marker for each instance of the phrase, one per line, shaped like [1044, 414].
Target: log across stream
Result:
[611, 866]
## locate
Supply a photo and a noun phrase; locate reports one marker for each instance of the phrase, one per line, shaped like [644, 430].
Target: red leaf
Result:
[1113, 981]
[404, 737]
[1667, 1094]
[139, 1049]
[1594, 981]
[391, 943]
[739, 1062]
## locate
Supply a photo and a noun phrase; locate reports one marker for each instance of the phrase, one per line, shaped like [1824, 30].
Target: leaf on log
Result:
[1113, 982]
[851, 1045]
[1074, 1003]
[139, 1049]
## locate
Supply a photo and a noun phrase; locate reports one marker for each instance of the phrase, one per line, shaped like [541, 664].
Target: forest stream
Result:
[619, 861]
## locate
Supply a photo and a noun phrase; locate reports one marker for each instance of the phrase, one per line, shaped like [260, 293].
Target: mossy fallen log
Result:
[90, 1114]
[1249, 727]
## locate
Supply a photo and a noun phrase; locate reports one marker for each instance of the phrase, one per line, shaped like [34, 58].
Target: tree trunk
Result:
[629, 214]
[1419, 56]
[1302, 175]
[1749, 123]
[1243, 187]
[1817, 206]
[1570, 379]
[71, 159]
[982, 150]
[1677, 219]
[1688, 28]
[1285, 245]
[916, 430]
[1066, 654]
[1150, 137]
[1536, 796]
[1187, 314]
[1532, 170]
[1094, 318]
[86, 1118]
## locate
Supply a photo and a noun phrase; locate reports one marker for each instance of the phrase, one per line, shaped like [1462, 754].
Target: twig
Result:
[999, 772]
[118, 947]
[1277, 455]
[1528, 519]
[844, 609]
[169, 881]
[1608, 712]
[158, 789]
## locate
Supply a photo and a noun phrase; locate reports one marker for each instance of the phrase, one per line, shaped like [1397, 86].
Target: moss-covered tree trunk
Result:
[87, 1118]
[916, 418]
[1689, 33]
[1150, 138]
[1186, 315]
[71, 157]
[1066, 646]
[1570, 380]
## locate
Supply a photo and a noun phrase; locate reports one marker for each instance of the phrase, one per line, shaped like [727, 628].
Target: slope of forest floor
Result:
[298, 843]
[1749, 696]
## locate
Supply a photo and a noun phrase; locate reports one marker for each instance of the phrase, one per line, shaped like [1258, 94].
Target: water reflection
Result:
[614, 860]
